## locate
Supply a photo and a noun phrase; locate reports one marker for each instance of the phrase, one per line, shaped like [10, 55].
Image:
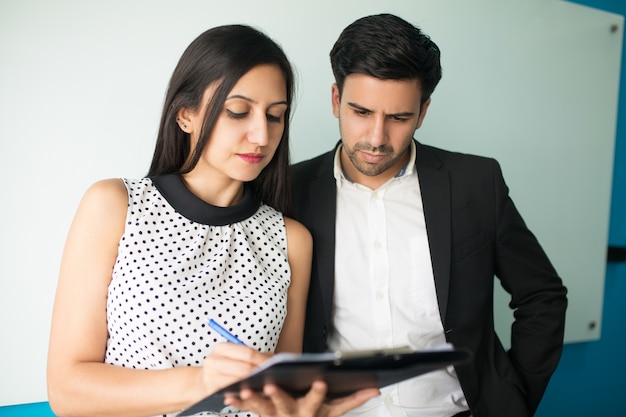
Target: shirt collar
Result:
[407, 169]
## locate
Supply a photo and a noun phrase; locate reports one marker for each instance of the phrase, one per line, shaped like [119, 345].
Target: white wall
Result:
[530, 82]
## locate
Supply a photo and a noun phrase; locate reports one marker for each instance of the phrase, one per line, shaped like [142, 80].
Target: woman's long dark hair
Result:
[222, 55]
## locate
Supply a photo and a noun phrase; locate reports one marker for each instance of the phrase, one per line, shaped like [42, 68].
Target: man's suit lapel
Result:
[435, 189]
[323, 197]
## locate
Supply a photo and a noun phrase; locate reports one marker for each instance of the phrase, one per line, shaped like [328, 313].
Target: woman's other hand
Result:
[274, 402]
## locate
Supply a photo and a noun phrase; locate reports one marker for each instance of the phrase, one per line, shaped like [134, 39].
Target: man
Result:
[408, 239]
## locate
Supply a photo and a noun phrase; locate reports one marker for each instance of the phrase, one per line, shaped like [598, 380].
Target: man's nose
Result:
[378, 132]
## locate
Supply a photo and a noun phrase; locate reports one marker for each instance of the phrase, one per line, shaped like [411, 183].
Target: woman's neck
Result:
[214, 191]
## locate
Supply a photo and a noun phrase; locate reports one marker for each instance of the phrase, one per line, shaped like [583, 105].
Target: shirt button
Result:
[388, 400]
[377, 245]
[379, 295]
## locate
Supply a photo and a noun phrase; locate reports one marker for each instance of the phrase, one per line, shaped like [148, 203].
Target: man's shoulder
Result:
[432, 155]
[311, 167]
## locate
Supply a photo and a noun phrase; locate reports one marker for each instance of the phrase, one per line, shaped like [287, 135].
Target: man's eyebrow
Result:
[358, 107]
[248, 99]
[365, 109]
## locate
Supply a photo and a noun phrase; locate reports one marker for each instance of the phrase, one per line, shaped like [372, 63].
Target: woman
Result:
[147, 262]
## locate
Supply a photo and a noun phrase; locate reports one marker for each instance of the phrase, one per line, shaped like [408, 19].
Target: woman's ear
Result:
[184, 118]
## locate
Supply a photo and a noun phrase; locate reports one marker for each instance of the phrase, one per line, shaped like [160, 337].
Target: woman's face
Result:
[249, 127]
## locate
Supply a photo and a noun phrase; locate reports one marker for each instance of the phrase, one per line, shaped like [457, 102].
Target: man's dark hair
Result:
[388, 48]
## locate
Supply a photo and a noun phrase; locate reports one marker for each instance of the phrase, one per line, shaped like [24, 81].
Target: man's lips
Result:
[251, 158]
[372, 158]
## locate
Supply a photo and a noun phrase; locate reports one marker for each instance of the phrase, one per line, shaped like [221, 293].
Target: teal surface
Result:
[27, 410]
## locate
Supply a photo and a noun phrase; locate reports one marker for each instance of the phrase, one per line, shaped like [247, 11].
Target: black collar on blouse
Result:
[189, 205]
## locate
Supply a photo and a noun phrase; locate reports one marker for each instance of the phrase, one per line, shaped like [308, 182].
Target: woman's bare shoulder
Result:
[297, 231]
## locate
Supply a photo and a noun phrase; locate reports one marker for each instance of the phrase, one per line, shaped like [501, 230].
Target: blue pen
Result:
[224, 333]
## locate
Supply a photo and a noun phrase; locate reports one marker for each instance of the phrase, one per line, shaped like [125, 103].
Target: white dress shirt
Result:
[385, 291]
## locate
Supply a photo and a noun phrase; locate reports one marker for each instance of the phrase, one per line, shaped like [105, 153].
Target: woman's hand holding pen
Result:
[232, 361]
[274, 402]
[228, 363]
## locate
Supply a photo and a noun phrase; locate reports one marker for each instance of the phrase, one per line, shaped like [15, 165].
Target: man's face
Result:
[377, 120]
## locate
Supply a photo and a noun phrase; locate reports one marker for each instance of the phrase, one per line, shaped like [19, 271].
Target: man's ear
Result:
[185, 120]
[335, 99]
[423, 109]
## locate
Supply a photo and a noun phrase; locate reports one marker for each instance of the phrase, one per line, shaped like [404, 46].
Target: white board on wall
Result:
[530, 82]
[538, 91]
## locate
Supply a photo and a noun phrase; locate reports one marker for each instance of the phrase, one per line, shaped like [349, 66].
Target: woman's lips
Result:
[251, 158]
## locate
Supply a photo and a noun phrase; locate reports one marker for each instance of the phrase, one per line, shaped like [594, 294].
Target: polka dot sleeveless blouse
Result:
[182, 261]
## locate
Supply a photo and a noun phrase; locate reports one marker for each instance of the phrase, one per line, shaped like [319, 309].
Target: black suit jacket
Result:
[475, 234]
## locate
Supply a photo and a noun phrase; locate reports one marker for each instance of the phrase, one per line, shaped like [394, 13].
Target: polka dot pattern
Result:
[172, 274]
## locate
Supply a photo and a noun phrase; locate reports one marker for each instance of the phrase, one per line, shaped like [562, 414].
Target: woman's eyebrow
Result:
[248, 99]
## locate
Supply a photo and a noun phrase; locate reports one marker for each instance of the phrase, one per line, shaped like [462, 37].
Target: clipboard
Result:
[343, 372]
